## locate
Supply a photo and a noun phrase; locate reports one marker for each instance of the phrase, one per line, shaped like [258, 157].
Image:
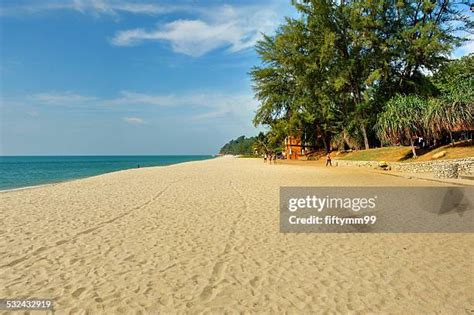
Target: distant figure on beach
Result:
[270, 156]
[265, 158]
[328, 159]
[138, 165]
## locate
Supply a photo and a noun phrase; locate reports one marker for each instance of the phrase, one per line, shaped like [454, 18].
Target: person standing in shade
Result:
[328, 159]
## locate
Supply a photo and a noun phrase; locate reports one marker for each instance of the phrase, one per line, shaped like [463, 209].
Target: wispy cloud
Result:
[200, 30]
[236, 28]
[97, 7]
[32, 113]
[204, 105]
[134, 98]
[61, 98]
[208, 104]
[134, 120]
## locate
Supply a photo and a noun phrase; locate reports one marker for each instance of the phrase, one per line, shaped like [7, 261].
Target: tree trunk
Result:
[412, 147]
[364, 134]
[328, 137]
[346, 140]
[325, 144]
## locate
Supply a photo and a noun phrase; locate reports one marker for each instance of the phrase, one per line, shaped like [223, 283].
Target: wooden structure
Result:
[294, 149]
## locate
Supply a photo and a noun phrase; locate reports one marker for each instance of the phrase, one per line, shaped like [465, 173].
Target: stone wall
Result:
[441, 169]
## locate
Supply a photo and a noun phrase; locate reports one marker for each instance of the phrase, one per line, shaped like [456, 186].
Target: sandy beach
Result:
[203, 237]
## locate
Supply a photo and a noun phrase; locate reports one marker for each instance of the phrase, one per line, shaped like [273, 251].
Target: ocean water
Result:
[24, 171]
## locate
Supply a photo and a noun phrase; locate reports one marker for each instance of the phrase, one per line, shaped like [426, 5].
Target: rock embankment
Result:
[441, 169]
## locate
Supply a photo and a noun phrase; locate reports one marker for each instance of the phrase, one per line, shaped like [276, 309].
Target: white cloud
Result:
[200, 105]
[100, 7]
[189, 37]
[61, 98]
[114, 7]
[134, 120]
[205, 28]
[235, 106]
[134, 98]
[209, 104]
[237, 28]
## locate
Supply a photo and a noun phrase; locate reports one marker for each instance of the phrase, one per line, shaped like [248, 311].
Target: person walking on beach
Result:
[265, 158]
[272, 157]
[328, 159]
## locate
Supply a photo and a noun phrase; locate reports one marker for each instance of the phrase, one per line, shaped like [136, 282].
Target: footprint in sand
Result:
[255, 282]
[78, 292]
[209, 292]
[218, 271]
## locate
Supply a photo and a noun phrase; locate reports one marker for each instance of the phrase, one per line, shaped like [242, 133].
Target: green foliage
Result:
[328, 75]
[454, 72]
[453, 110]
[239, 146]
[407, 116]
[263, 143]
[403, 118]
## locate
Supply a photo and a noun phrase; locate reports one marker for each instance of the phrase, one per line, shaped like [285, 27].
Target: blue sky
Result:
[129, 77]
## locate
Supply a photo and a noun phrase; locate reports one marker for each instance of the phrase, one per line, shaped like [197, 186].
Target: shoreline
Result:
[301, 163]
[86, 177]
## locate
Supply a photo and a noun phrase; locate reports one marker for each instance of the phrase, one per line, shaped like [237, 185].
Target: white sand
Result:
[204, 237]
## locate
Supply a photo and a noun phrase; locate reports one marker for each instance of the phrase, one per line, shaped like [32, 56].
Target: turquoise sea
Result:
[24, 171]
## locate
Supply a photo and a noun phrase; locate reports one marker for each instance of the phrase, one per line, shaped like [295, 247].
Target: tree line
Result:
[361, 74]
[239, 146]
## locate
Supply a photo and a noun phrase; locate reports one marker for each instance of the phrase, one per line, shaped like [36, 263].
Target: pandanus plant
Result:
[453, 111]
[402, 119]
